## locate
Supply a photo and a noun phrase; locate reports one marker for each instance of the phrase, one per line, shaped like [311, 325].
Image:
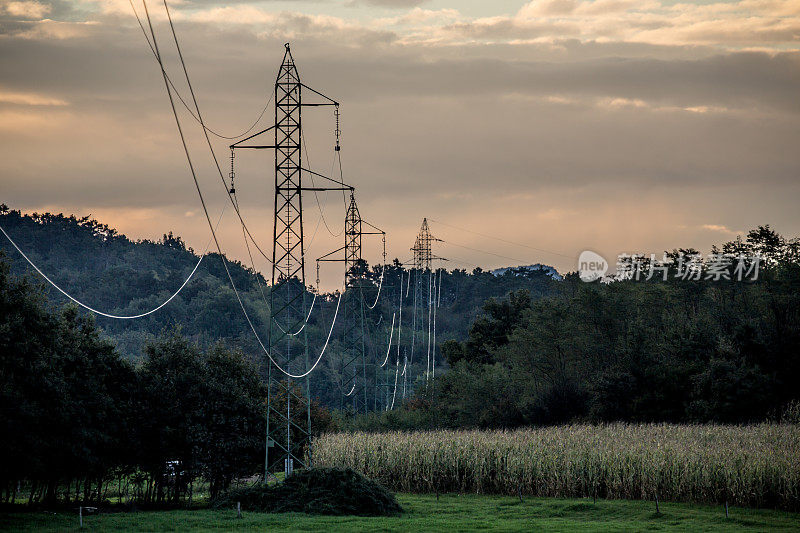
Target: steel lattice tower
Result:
[288, 294]
[422, 247]
[355, 368]
[287, 402]
[422, 262]
[352, 243]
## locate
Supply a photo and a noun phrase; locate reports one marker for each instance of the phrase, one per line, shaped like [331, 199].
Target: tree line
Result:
[680, 350]
[118, 275]
[76, 416]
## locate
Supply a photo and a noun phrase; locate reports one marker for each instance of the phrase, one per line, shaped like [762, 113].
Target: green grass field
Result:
[451, 513]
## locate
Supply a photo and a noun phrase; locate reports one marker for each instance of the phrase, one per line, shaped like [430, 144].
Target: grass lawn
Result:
[451, 513]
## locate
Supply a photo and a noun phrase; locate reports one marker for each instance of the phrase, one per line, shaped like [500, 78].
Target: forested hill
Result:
[117, 275]
[120, 276]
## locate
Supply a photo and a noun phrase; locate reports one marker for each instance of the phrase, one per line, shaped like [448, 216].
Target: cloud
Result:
[389, 3]
[593, 112]
[32, 99]
[724, 24]
[29, 10]
[46, 29]
[719, 228]
[417, 16]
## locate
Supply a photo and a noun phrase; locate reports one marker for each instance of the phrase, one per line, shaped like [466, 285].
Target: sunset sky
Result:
[564, 125]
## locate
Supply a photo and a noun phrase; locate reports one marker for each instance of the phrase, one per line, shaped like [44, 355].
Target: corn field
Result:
[752, 466]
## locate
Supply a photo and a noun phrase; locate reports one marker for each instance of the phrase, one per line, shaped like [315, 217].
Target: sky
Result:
[526, 132]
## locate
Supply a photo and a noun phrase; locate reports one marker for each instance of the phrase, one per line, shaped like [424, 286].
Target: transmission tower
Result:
[422, 262]
[423, 257]
[288, 403]
[355, 366]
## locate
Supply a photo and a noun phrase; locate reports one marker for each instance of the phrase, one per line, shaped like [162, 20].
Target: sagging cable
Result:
[304, 322]
[388, 349]
[101, 313]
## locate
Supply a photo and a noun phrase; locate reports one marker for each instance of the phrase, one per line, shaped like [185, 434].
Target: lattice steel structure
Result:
[356, 367]
[423, 257]
[422, 261]
[352, 243]
[288, 403]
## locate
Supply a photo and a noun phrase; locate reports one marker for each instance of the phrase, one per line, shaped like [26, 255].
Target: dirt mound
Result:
[330, 491]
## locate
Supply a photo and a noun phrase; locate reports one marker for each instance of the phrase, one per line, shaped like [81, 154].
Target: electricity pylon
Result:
[287, 403]
[355, 367]
[423, 258]
[422, 262]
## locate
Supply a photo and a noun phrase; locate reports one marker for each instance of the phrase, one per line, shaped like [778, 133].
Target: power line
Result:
[180, 97]
[391, 334]
[200, 118]
[101, 313]
[501, 239]
[316, 197]
[484, 251]
[213, 231]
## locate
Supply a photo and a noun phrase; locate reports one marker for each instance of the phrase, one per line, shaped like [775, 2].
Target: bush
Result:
[330, 491]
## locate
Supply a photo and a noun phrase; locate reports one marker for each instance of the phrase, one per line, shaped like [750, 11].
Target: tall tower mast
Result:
[355, 369]
[288, 294]
[422, 247]
[288, 403]
[352, 242]
[422, 262]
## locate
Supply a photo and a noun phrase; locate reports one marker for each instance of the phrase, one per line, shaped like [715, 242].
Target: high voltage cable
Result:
[391, 333]
[399, 331]
[483, 251]
[180, 97]
[396, 372]
[413, 329]
[501, 239]
[321, 214]
[438, 300]
[199, 116]
[304, 322]
[213, 231]
[380, 285]
[252, 262]
[430, 302]
[264, 299]
[101, 313]
[313, 235]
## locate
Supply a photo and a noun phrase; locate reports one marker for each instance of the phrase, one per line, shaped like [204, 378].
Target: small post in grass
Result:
[658, 511]
[726, 509]
[80, 513]
[519, 492]
[238, 509]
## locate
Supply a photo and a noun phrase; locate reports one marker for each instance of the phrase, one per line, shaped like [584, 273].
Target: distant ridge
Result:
[522, 270]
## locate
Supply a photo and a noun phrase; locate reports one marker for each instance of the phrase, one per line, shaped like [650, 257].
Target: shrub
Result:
[330, 491]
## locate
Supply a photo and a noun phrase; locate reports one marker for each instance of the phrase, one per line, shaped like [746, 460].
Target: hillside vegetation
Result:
[680, 350]
[117, 275]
